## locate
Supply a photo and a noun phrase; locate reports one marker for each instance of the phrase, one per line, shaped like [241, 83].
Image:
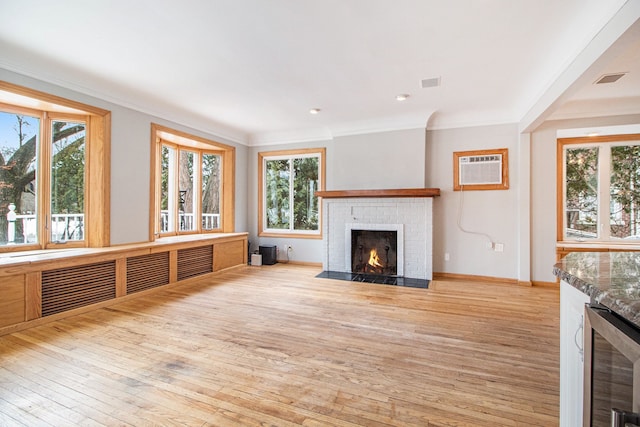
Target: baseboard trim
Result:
[308, 264]
[476, 278]
[545, 284]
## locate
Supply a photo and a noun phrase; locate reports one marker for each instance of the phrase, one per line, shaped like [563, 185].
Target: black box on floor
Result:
[269, 255]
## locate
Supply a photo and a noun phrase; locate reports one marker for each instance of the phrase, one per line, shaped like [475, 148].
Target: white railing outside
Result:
[29, 228]
[64, 227]
[210, 221]
[69, 227]
[185, 221]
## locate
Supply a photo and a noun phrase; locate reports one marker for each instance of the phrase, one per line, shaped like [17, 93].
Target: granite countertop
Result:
[609, 278]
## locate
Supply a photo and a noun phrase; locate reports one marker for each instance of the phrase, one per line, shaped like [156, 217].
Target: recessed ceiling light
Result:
[314, 111]
[402, 97]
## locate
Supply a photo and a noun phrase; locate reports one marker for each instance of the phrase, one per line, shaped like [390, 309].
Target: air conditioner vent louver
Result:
[147, 271]
[195, 261]
[68, 288]
[476, 170]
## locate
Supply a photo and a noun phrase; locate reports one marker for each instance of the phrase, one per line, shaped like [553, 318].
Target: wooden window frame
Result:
[44, 180]
[302, 234]
[162, 135]
[560, 180]
[97, 163]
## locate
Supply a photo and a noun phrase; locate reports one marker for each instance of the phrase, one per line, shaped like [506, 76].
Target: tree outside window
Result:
[288, 182]
[19, 139]
[182, 208]
[211, 173]
[67, 220]
[625, 191]
[581, 192]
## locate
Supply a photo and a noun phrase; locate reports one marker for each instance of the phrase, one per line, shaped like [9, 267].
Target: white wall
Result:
[130, 162]
[544, 188]
[382, 160]
[490, 212]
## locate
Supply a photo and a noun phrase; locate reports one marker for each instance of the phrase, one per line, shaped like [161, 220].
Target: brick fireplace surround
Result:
[409, 211]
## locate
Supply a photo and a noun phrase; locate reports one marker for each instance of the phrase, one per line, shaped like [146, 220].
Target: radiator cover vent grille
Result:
[195, 261]
[64, 289]
[147, 271]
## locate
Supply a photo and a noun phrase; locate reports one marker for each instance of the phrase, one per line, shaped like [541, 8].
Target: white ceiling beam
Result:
[604, 47]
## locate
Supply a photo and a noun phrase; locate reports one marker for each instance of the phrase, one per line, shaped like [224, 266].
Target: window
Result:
[193, 184]
[288, 182]
[45, 158]
[600, 188]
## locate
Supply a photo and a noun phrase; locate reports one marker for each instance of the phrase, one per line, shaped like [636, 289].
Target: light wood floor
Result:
[274, 346]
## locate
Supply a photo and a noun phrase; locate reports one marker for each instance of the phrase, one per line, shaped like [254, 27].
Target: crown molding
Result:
[174, 116]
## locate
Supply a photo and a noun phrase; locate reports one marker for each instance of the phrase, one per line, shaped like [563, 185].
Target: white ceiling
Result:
[250, 70]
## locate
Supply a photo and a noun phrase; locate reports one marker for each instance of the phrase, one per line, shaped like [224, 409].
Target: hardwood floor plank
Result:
[273, 345]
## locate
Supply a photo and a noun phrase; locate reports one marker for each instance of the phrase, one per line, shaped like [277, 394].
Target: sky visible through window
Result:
[9, 133]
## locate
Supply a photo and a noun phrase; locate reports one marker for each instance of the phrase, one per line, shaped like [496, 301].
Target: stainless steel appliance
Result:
[612, 369]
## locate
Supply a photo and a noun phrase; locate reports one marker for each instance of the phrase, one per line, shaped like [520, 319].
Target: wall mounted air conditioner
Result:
[481, 170]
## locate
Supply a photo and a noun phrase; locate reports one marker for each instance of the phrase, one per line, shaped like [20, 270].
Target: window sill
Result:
[291, 235]
[187, 238]
[24, 259]
[631, 246]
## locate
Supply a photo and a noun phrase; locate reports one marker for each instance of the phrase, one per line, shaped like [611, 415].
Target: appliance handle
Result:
[621, 418]
[579, 333]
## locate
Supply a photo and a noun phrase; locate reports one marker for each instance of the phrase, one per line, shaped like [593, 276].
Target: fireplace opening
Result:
[374, 252]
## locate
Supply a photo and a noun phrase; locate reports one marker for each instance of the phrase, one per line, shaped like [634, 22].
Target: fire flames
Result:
[374, 259]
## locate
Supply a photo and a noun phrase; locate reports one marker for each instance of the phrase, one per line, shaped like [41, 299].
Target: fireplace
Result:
[374, 252]
[362, 239]
[407, 213]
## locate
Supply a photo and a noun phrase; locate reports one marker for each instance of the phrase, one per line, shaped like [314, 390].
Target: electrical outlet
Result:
[446, 256]
[499, 247]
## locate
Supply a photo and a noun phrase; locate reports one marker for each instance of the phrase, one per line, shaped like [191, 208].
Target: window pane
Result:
[167, 186]
[185, 191]
[210, 191]
[19, 138]
[67, 181]
[581, 193]
[305, 203]
[277, 177]
[625, 191]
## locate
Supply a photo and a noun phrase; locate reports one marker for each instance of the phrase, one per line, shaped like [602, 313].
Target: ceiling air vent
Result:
[609, 78]
[433, 82]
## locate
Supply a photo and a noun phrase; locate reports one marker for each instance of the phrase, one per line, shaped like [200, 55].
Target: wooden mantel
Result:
[399, 192]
